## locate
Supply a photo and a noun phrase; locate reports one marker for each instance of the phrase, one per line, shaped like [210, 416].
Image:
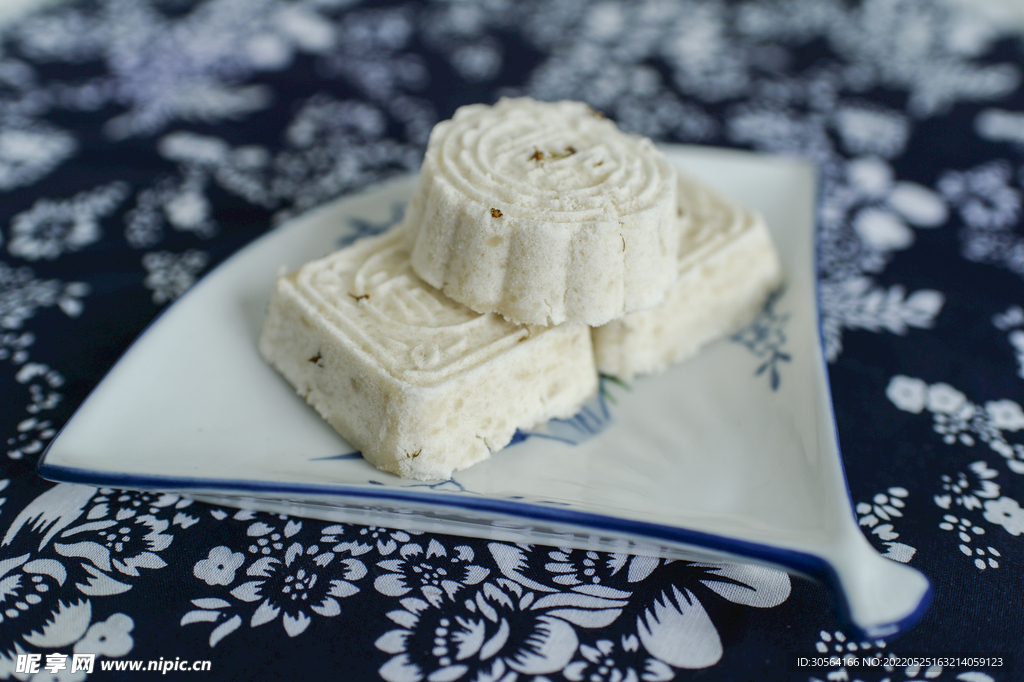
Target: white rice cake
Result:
[545, 213]
[422, 385]
[728, 267]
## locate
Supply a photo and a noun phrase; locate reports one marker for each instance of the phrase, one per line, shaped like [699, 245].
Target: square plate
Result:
[731, 455]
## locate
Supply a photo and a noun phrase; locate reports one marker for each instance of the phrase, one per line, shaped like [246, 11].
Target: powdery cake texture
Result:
[545, 213]
[421, 385]
[728, 267]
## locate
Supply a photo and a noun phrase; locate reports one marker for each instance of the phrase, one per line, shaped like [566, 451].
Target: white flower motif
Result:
[960, 490]
[121, 532]
[333, 146]
[110, 638]
[962, 526]
[51, 228]
[269, 539]
[292, 582]
[41, 380]
[676, 615]
[32, 435]
[501, 632]
[571, 570]
[436, 574]
[294, 586]
[887, 507]
[127, 542]
[945, 399]
[385, 540]
[983, 195]
[957, 419]
[21, 295]
[24, 584]
[607, 662]
[673, 616]
[1005, 414]
[984, 557]
[1007, 513]
[193, 66]
[219, 567]
[171, 274]
[856, 303]
[907, 393]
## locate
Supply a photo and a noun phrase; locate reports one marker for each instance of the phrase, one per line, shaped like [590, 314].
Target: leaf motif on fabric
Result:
[297, 625]
[7, 565]
[748, 584]
[475, 574]
[899, 552]
[548, 650]
[200, 617]
[224, 629]
[587, 618]
[262, 567]
[52, 512]
[496, 642]
[400, 669]
[511, 561]
[392, 641]
[64, 627]
[640, 567]
[50, 567]
[858, 303]
[248, 592]
[145, 560]
[264, 614]
[403, 618]
[328, 608]
[100, 584]
[602, 592]
[341, 588]
[391, 585]
[676, 629]
[575, 600]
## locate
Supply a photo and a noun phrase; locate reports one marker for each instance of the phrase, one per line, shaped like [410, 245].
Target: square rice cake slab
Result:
[422, 385]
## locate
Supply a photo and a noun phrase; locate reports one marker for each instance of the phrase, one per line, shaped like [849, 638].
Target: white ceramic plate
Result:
[730, 455]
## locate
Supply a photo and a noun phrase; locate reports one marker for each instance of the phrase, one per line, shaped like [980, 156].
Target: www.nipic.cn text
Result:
[54, 663]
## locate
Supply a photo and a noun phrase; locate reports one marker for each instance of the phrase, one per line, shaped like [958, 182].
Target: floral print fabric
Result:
[141, 143]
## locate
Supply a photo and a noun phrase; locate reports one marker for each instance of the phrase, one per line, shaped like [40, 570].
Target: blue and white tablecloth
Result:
[141, 143]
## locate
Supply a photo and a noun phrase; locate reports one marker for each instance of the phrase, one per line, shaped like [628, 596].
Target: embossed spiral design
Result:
[562, 161]
[545, 213]
[370, 291]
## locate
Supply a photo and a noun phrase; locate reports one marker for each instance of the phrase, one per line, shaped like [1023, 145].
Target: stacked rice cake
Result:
[538, 236]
